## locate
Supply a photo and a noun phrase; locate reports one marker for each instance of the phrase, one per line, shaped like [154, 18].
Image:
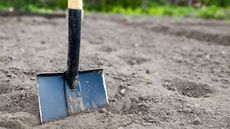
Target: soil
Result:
[160, 72]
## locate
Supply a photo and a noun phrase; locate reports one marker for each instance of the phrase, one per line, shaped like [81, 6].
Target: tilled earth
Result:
[160, 72]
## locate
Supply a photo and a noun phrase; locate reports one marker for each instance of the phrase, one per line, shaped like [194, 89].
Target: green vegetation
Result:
[209, 9]
[207, 12]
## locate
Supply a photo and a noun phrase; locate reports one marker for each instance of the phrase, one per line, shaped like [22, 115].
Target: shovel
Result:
[72, 92]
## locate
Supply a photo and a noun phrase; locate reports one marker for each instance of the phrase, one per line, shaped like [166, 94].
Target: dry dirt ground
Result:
[161, 73]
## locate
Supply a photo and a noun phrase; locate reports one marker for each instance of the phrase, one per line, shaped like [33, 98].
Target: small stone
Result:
[8, 75]
[32, 78]
[11, 75]
[197, 121]
[207, 56]
[113, 100]
[136, 99]
[129, 83]
[109, 113]
[210, 112]
[187, 110]
[122, 85]
[103, 110]
[123, 78]
[133, 62]
[123, 91]
[207, 95]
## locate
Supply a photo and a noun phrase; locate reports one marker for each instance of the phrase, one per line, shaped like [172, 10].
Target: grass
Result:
[211, 12]
[29, 8]
[207, 12]
[35, 9]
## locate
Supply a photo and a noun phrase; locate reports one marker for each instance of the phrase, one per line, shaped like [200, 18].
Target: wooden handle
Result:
[75, 4]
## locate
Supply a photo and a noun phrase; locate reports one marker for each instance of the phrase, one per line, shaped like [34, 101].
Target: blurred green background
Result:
[209, 9]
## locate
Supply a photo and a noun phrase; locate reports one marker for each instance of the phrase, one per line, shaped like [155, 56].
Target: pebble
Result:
[197, 121]
[136, 99]
[32, 78]
[122, 85]
[123, 91]
[207, 95]
[187, 110]
[103, 110]
[113, 100]
[11, 75]
[129, 83]
[210, 112]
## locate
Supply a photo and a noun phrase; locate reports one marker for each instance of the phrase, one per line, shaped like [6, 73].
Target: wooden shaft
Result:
[75, 4]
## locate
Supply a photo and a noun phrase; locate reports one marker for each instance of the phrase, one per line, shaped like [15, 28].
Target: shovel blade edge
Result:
[57, 100]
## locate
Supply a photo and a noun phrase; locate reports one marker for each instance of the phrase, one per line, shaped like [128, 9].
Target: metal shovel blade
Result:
[57, 100]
